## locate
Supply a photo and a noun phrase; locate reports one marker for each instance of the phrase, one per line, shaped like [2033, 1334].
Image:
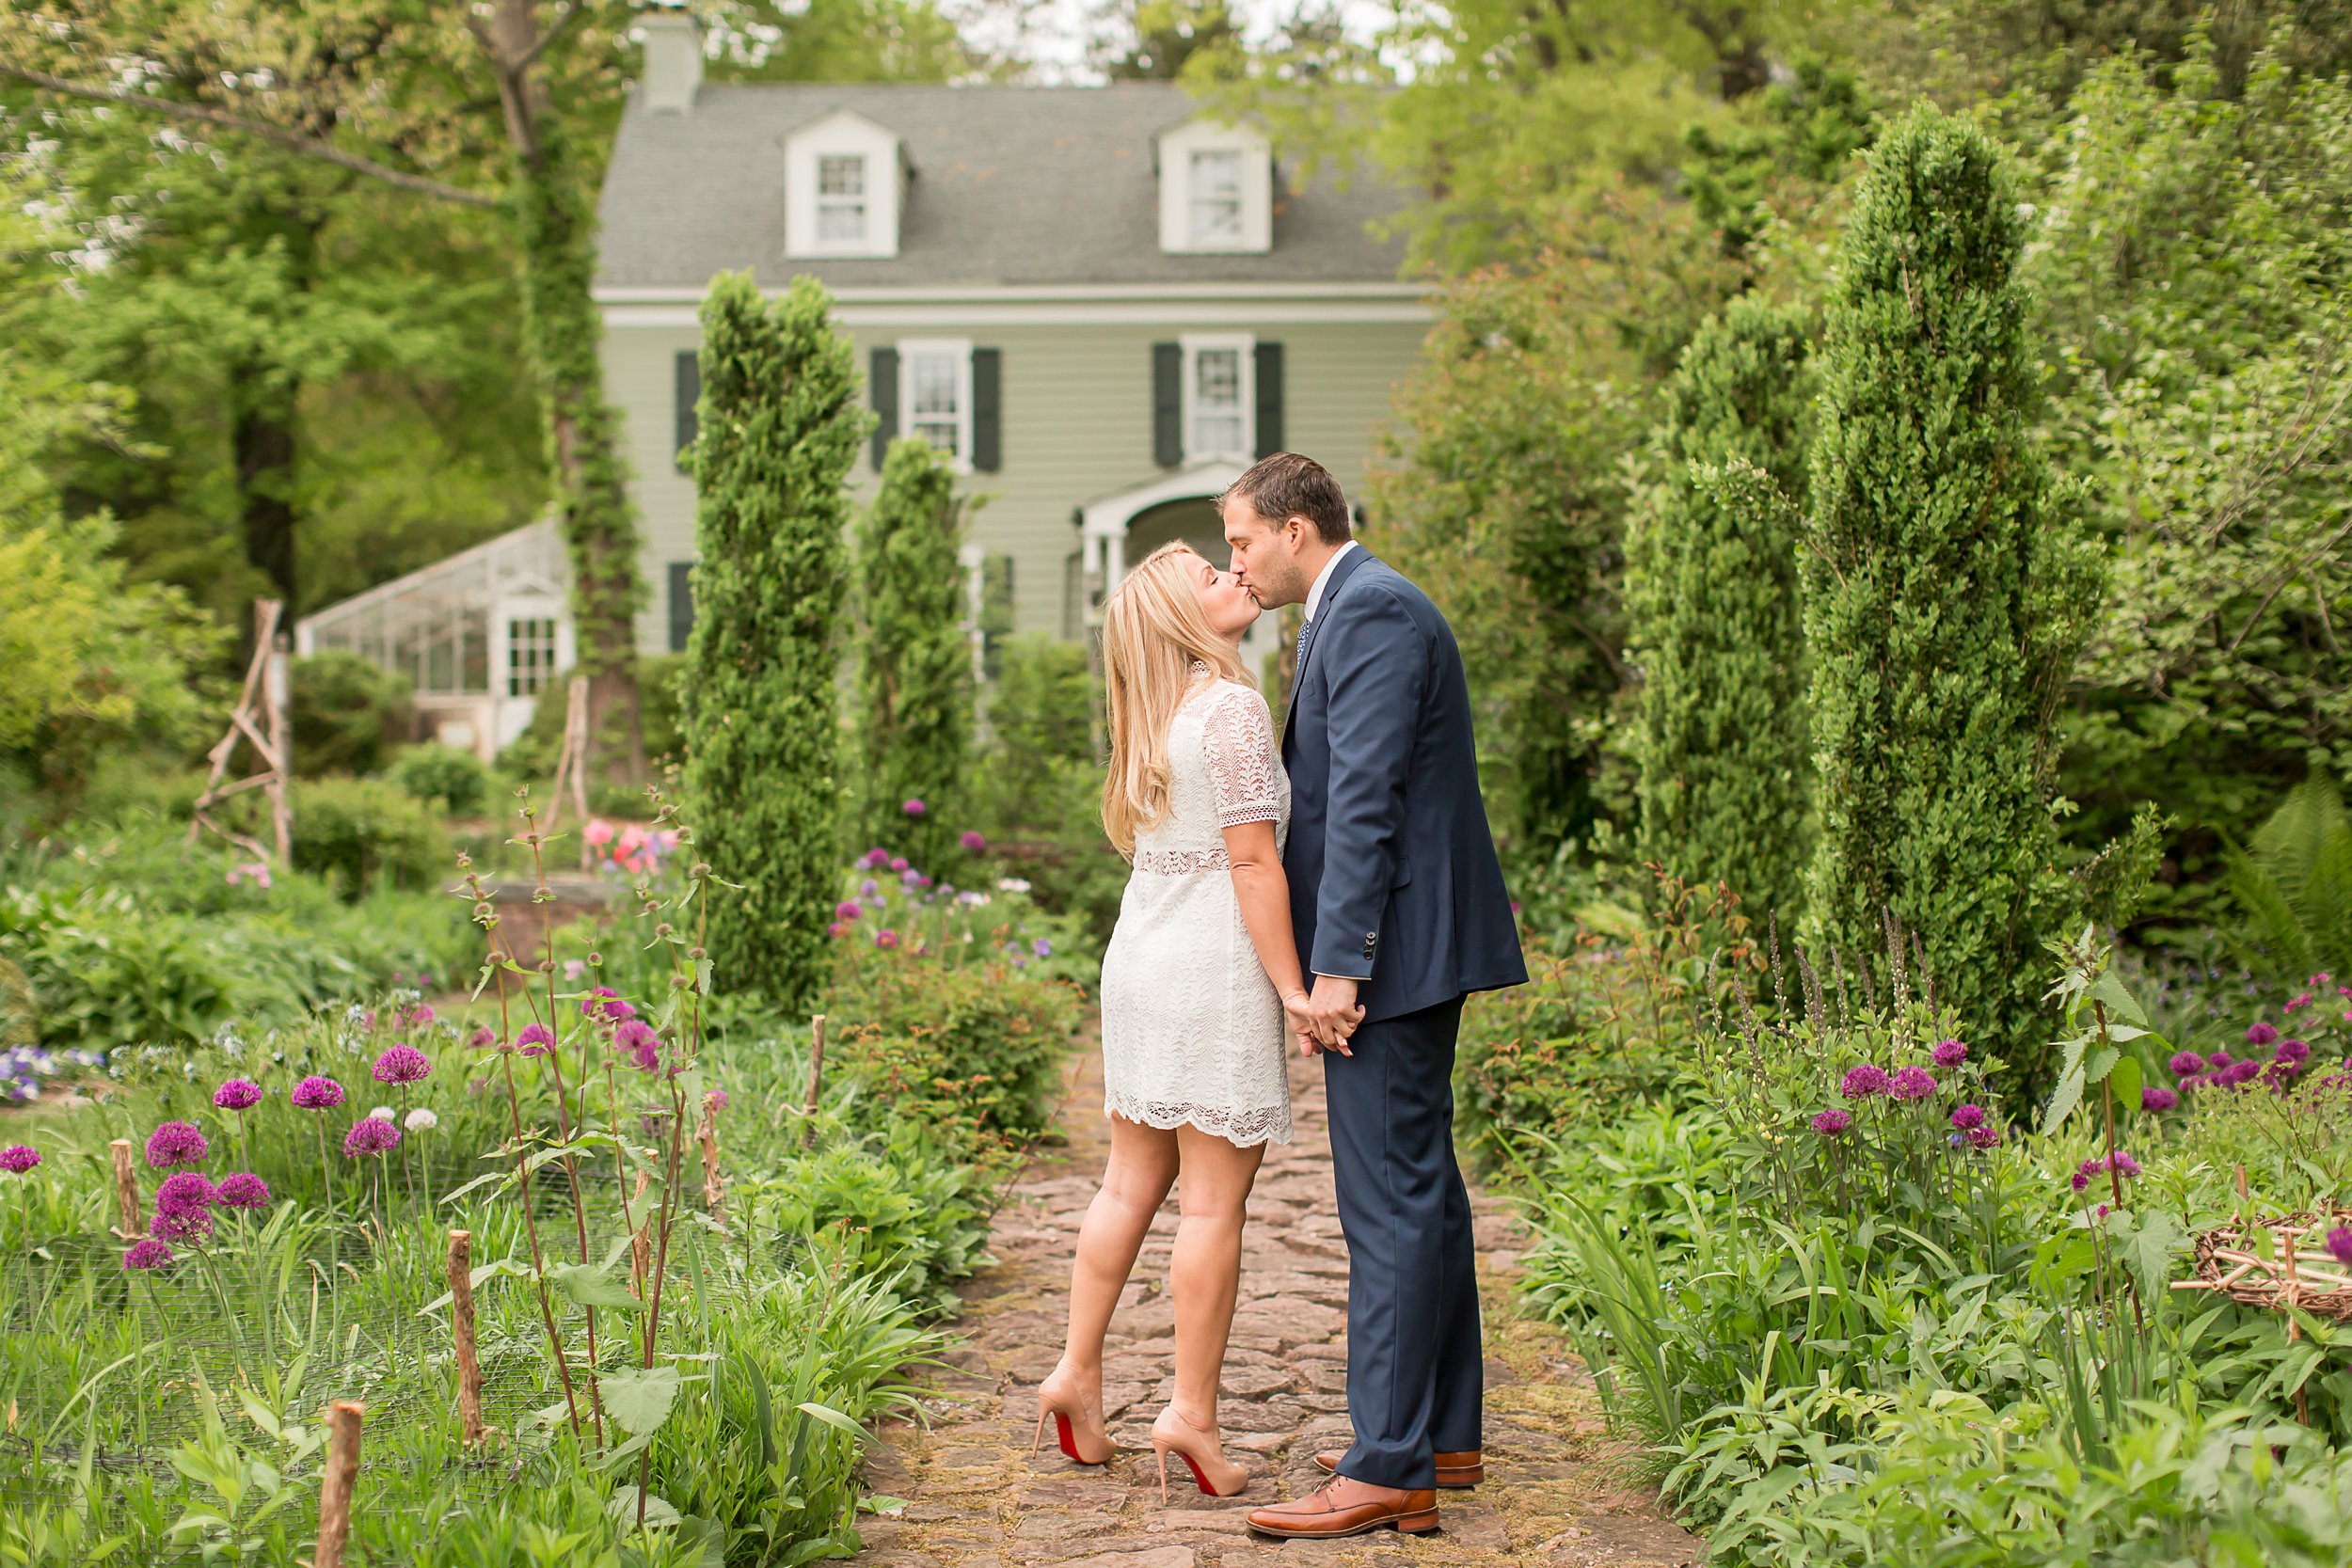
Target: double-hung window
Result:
[935, 393]
[840, 197]
[1218, 393]
[1216, 196]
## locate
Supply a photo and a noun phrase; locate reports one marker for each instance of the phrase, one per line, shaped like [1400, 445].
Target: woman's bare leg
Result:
[1213, 1200]
[1136, 1182]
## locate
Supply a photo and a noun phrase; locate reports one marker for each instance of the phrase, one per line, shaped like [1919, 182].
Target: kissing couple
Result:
[1342, 891]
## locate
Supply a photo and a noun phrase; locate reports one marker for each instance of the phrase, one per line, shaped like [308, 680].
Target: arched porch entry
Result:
[1120, 529]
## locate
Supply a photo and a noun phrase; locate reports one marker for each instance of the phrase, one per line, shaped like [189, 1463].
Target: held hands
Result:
[1331, 1015]
[1299, 1018]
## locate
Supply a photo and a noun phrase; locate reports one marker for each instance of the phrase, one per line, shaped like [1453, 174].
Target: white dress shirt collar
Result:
[1315, 594]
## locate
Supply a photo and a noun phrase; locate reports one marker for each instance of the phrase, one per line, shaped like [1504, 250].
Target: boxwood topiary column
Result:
[914, 675]
[1947, 584]
[1712, 595]
[779, 424]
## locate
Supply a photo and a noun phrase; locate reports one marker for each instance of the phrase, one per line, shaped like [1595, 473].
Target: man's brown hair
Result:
[1288, 484]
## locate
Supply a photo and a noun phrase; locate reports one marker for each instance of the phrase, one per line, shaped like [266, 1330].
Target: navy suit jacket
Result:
[1392, 871]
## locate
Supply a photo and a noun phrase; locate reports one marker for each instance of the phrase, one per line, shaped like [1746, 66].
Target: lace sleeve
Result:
[1245, 770]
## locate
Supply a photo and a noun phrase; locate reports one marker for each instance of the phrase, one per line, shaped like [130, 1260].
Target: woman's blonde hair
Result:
[1153, 633]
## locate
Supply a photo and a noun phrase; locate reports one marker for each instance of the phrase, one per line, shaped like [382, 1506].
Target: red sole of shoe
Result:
[1069, 1440]
[1198, 1479]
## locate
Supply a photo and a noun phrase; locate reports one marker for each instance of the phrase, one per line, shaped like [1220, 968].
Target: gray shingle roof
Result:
[1012, 185]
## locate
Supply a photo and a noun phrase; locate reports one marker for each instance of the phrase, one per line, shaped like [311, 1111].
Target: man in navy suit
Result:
[1400, 912]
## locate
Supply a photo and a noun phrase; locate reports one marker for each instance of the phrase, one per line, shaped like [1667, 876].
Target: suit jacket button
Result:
[1369, 937]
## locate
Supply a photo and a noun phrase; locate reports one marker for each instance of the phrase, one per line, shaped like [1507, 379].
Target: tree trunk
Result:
[263, 440]
[556, 236]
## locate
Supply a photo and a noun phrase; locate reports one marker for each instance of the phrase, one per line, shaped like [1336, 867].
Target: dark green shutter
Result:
[690, 391]
[988, 438]
[1168, 404]
[1269, 379]
[681, 604]
[882, 386]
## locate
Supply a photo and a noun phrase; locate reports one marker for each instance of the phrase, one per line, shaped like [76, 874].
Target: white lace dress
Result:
[1192, 1029]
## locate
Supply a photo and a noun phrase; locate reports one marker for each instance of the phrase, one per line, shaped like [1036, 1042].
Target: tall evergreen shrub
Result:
[1947, 584]
[1711, 598]
[915, 672]
[780, 422]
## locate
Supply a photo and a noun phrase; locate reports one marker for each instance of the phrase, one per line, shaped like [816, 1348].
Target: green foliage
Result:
[781, 421]
[1711, 581]
[2294, 887]
[1037, 791]
[347, 714]
[1947, 586]
[361, 835]
[449, 776]
[898, 1216]
[1801, 130]
[914, 664]
[960, 1050]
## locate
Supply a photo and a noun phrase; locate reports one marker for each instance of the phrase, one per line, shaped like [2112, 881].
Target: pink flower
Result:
[849, 909]
[1983, 1137]
[1864, 1082]
[1950, 1053]
[636, 1040]
[149, 1253]
[2153, 1098]
[317, 1093]
[1911, 1083]
[484, 1039]
[175, 1143]
[238, 1094]
[244, 1190]
[185, 1224]
[914, 808]
[2339, 1244]
[973, 841]
[898, 863]
[2261, 1034]
[885, 938]
[371, 1135]
[183, 1193]
[534, 1041]
[16, 1159]
[1968, 1118]
[598, 832]
[403, 1064]
[1830, 1123]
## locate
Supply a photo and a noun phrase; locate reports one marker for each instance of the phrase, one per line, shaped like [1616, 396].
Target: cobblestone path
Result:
[978, 1498]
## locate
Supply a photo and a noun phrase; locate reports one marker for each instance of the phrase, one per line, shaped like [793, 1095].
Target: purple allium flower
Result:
[317, 1093]
[2260, 1034]
[875, 857]
[2185, 1064]
[898, 863]
[419, 1016]
[148, 1254]
[910, 877]
[483, 1038]
[2079, 1181]
[1949, 1053]
[1985, 1137]
[187, 1225]
[637, 1041]
[1831, 1122]
[2123, 1164]
[1863, 1082]
[1968, 1118]
[238, 1094]
[885, 938]
[175, 1143]
[19, 1158]
[184, 1194]
[914, 808]
[2155, 1098]
[717, 1099]
[2243, 1073]
[2219, 1061]
[371, 1135]
[849, 909]
[973, 841]
[243, 1190]
[2292, 1050]
[2339, 1244]
[1911, 1083]
[403, 1064]
[534, 1041]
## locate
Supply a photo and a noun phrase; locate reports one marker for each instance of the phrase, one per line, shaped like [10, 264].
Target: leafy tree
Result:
[838, 41]
[915, 665]
[1712, 606]
[780, 421]
[1947, 586]
[1155, 40]
[2293, 888]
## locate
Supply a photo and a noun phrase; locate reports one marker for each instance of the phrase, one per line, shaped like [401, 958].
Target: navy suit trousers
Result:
[1415, 1372]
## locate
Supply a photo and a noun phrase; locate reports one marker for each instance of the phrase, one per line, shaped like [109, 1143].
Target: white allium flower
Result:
[383, 1113]
[421, 1120]
[1013, 884]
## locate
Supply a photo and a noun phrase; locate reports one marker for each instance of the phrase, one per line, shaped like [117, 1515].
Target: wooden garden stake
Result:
[816, 1074]
[260, 721]
[640, 1245]
[335, 1488]
[131, 1225]
[714, 1190]
[461, 1323]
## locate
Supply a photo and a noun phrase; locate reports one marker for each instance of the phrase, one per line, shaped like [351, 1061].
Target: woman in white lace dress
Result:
[1198, 987]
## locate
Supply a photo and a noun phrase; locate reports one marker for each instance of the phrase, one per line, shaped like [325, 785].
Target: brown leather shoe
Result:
[1344, 1506]
[1455, 1471]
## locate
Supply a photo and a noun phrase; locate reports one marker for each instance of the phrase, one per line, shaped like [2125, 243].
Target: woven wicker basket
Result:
[2300, 1273]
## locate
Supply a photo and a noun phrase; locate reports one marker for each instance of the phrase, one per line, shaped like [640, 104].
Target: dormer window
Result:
[1217, 190]
[841, 198]
[1216, 196]
[844, 185]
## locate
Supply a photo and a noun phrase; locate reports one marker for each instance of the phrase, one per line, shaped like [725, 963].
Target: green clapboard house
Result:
[1102, 301]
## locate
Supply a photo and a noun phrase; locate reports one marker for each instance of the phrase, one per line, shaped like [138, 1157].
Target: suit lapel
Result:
[1340, 573]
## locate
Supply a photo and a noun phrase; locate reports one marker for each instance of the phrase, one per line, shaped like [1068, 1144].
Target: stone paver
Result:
[1559, 1495]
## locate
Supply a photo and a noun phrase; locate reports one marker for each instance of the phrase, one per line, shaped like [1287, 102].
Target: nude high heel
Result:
[1080, 1429]
[1201, 1451]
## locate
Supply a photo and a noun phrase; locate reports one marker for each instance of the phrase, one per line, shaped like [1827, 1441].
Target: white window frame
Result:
[504, 612]
[1196, 199]
[861, 203]
[1175, 150]
[1244, 348]
[843, 134]
[958, 350]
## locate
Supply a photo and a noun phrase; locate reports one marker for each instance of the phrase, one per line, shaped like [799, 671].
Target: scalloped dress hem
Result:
[1247, 1135]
